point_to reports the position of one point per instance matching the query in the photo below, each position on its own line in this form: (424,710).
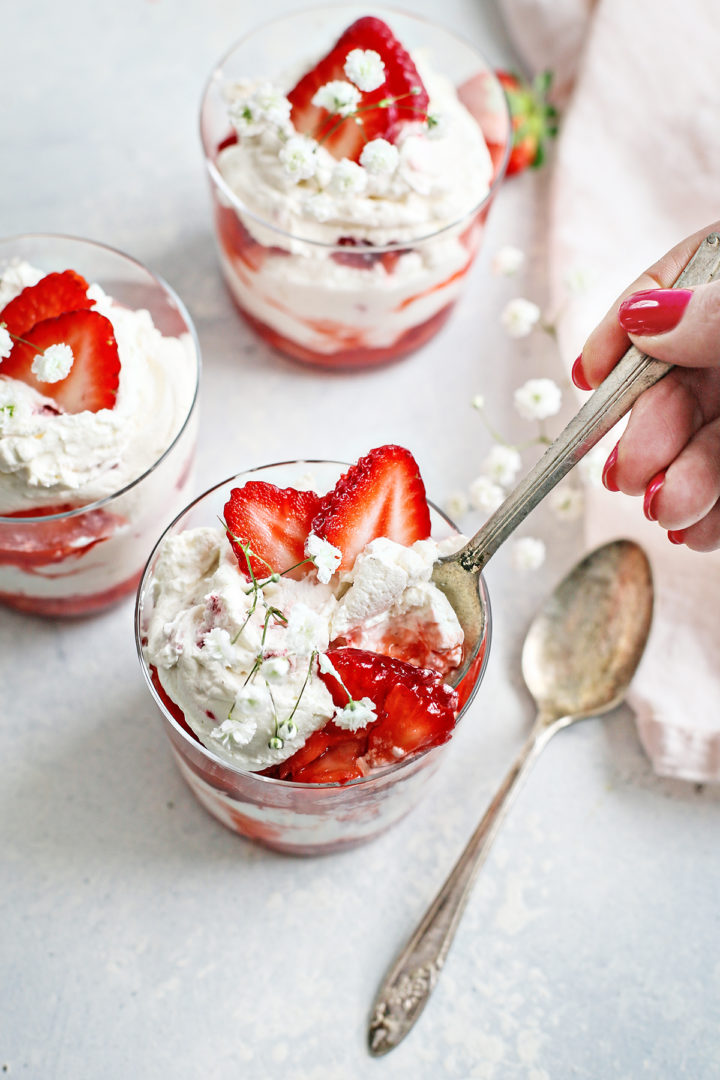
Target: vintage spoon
(580,654)
(457,575)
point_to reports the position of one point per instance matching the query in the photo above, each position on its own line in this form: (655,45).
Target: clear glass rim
(367,249)
(98,504)
(198,746)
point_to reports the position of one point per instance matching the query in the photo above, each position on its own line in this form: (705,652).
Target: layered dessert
(303,641)
(95,443)
(350,191)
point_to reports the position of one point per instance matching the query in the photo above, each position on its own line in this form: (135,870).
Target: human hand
(670,449)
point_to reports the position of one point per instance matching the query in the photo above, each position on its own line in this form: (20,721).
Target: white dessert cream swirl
(246,682)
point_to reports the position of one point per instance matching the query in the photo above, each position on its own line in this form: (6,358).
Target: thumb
(680,326)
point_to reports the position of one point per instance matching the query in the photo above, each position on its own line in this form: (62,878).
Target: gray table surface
(141,939)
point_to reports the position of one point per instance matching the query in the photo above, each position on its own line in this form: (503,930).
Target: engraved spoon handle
(633,374)
(409,983)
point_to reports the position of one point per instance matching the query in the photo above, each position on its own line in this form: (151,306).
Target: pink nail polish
(608,476)
(676,536)
(654,311)
(578,375)
(650,492)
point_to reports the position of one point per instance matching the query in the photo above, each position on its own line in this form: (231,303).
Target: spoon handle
(409,983)
(633,374)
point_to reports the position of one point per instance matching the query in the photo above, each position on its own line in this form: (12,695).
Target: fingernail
(676,536)
(608,476)
(578,375)
(650,492)
(654,311)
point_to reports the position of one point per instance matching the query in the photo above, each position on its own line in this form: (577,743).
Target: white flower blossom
(567,502)
(234,732)
(337,97)
(365,68)
(537,399)
(438,125)
(485,495)
(507,261)
(356,714)
(287,729)
(298,157)
(306,631)
(6,343)
(219,646)
(527,553)
(319,206)
(54,364)
(379,157)
(252,699)
(478,402)
(519,316)
(326,557)
(456,504)
(243,118)
(502,464)
(275,669)
(271,105)
(348,178)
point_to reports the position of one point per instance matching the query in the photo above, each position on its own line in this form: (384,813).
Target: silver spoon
(457,575)
(579,657)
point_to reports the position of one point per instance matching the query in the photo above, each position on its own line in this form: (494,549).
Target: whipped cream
(246,680)
(437,181)
(49,458)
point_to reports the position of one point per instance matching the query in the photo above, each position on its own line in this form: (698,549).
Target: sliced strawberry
(329,756)
(534,120)
(415,708)
(53,295)
(382,495)
(42,543)
(346,138)
(274,521)
(93,378)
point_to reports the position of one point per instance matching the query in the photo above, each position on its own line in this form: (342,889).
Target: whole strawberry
(534,120)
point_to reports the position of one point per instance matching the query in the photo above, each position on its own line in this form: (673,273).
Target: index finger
(608,341)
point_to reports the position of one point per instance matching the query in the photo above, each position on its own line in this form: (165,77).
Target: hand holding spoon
(457,574)
(578,659)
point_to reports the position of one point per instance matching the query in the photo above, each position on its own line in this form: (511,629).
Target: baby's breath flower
(579,279)
(507,261)
(365,68)
(6,343)
(537,399)
(271,105)
(275,743)
(356,714)
(325,556)
(243,118)
(567,502)
(348,178)
(502,464)
(219,646)
(337,97)
(306,630)
(319,206)
(234,732)
(527,553)
(379,157)
(252,699)
(298,157)
(54,364)
(478,402)
(456,504)
(438,125)
(519,316)
(274,669)
(287,729)
(485,495)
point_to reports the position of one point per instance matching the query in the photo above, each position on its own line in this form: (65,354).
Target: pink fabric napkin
(636,169)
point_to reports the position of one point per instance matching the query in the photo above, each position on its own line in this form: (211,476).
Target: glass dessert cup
(297,818)
(347,304)
(71,559)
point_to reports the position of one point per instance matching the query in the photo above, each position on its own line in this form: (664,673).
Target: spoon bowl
(579,656)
